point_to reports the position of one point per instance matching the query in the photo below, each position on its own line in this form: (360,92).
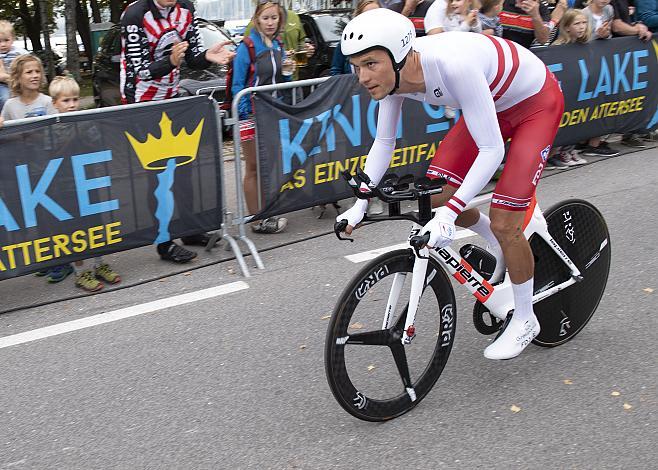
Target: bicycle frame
(498,299)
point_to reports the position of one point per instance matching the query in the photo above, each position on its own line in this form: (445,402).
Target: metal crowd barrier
(241,218)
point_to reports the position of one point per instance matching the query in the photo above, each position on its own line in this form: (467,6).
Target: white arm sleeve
(479,112)
(382,148)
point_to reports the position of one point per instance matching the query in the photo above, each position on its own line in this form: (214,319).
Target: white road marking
(122,313)
(372,254)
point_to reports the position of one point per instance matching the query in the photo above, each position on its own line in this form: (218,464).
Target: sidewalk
(142,265)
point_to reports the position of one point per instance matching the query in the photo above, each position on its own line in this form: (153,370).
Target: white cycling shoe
(513,339)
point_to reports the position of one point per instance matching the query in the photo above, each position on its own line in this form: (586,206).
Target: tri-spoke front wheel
(372,374)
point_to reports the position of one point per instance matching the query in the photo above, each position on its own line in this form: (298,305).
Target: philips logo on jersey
(544,153)
(437,92)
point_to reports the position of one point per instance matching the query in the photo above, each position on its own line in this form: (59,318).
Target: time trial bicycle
(417,320)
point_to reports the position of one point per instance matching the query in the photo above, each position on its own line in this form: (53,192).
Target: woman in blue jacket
(260,60)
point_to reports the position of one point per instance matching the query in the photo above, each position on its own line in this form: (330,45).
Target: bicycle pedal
(480,259)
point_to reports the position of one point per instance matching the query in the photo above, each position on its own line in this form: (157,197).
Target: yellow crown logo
(154,152)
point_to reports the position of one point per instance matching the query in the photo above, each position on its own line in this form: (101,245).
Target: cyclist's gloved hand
(354,215)
(441,228)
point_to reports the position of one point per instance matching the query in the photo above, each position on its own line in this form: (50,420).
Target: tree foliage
(26,17)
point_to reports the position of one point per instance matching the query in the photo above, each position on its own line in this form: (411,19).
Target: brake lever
(339,227)
(418,242)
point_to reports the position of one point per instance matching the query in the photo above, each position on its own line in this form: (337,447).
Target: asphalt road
(237,380)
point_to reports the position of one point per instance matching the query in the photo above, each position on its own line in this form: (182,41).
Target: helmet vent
(360,37)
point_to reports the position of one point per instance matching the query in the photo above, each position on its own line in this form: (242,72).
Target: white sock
(523,300)
(483,228)
(78,269)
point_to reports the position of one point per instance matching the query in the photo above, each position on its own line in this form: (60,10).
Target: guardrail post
(223,232)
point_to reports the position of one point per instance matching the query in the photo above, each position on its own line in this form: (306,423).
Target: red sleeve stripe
(450,206)
(458,201)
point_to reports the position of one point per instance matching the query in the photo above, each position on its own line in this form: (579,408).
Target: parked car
(105,70)
(323,28)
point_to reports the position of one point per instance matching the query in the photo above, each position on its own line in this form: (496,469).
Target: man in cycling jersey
(504,91)
(156,37)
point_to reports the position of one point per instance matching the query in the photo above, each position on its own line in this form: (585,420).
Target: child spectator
(488,16)
(8,52)
(574,29)
(26,78)
(270,66)
(461,16)
(600,15)
(65,94)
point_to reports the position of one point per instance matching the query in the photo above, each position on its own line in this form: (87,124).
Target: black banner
(303,149)
(609,86)
(78,186)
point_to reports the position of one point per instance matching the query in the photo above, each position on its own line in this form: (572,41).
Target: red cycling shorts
(531,125)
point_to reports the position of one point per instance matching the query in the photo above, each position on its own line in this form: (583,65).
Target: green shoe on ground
(105,273)
(86,280)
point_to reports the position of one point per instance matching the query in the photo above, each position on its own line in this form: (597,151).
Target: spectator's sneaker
(600,151)
(270,225)
(577,159)
(633,140)
(42,272)
(375,207)
(513,338)
(86,280)
(555,163)
(177,254)
(59,273)
(200,239)
(650,136)
(105,272)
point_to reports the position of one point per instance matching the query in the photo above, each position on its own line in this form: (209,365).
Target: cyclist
(504,91)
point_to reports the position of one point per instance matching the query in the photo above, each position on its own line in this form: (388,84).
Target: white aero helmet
(380,28)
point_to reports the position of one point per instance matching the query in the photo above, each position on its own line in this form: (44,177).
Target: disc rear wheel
(580,230)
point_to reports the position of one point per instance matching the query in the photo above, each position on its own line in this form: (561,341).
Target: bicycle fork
(417,285)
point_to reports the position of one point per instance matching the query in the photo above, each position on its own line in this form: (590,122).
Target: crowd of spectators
(150,70)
